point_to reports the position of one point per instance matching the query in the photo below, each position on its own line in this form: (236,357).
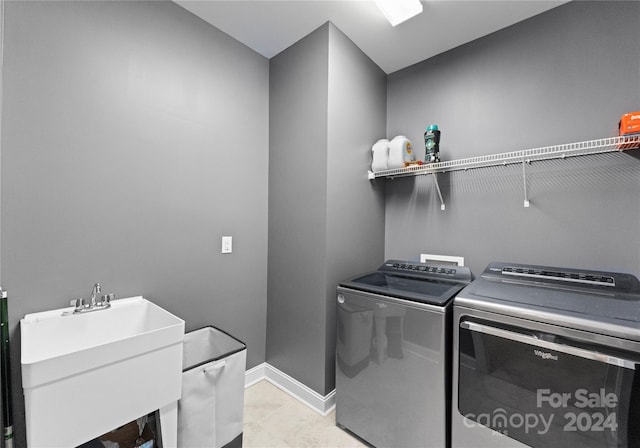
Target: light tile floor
(274,419)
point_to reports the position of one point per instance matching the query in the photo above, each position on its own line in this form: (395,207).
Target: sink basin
(56,344)
(86,374)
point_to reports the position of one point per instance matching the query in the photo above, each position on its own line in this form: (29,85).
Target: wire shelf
(589,147)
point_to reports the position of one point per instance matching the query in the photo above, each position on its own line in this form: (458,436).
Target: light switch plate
(227,244)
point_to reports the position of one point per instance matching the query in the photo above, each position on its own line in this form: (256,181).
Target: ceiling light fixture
(397,11)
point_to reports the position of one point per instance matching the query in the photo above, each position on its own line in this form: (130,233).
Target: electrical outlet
(227,244)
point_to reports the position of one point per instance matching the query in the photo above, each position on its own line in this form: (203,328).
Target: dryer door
(545,390)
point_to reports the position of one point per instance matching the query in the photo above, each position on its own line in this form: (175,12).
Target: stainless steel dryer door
(392,370)
(544,389)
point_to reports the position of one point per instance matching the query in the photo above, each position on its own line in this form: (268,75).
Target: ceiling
(269,26)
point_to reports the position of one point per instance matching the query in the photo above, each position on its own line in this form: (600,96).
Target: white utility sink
(88,373)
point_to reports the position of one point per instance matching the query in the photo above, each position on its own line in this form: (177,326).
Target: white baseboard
(323,405)
(254,375)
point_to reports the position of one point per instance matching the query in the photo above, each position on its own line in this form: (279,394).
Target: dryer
(546,357)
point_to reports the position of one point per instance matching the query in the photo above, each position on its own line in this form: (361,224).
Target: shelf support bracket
(524,182)
(435,181)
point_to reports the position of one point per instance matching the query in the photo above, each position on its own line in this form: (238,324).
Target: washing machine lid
(435,284)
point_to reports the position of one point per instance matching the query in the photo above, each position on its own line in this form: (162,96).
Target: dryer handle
(568,349)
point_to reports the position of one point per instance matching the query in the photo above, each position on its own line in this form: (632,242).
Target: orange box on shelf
(629,127)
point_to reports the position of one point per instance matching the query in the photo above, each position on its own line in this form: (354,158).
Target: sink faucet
(94,292)
(103,303)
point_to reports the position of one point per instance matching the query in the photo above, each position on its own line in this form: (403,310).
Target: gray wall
(297,209)
(327,106)
(564,76)
(134,136)
(355,206)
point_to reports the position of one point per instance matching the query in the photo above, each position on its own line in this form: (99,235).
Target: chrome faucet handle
(78,304)
(106,299)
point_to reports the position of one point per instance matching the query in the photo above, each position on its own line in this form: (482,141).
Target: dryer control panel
(553,276)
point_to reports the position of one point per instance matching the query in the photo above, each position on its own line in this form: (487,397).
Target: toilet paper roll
(380,155)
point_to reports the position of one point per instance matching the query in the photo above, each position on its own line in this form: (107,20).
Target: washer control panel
(426,269)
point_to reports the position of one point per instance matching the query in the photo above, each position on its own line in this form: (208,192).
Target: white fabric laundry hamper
(210,411)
